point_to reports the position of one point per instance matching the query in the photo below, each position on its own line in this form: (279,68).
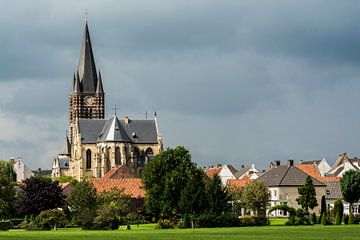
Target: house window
(274,193)
(88,159)
(149,151)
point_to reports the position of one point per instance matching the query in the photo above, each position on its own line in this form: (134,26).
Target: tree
(217,196)
(235,195)
(193,199)
(38,194)
(307,195)
(164,179)
(256,197)
(350,187)
(83,203)
(7,190)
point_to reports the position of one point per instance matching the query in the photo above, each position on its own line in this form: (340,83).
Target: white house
(21,170)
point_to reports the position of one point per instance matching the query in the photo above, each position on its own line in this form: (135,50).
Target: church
(97,145)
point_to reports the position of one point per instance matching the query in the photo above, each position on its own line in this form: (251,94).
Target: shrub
(301,217)
(133,218)
(164,224)
(225,220)
(338,211)
(356,219)
(50,218)
(313,218)
(324,219)
(5,225)
(105,220)
(351,218)
(261,221)
(346,219)
(248,220)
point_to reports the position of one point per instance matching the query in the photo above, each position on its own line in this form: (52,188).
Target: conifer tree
(307,198)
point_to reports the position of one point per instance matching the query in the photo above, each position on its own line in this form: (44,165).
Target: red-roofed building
(239,183)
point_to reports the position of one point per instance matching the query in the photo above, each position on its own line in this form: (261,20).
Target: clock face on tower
(88,100)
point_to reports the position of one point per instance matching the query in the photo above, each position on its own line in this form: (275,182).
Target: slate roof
(87,69)
(145,130)
(63,162)
(66,148)
(131,186)
(241,172)
(286,176)
(333,190)
(113,131)
(232,168)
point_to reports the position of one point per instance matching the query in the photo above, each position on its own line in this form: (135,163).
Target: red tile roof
(313,171)
(131,186)
(120,172)
(210,172)
(240,183)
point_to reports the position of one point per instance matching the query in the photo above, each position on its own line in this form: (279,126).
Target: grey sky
(234,81)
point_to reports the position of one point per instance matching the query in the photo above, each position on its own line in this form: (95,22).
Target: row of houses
(283,180)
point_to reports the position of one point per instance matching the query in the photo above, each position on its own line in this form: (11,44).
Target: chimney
(277,163)
(219,165)
(290,162)
(242,166)
(126,120)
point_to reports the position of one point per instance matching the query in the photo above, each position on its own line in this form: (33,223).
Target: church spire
(99,87)
(76,87)
(86,69)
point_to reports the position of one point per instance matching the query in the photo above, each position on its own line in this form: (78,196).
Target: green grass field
(149,232)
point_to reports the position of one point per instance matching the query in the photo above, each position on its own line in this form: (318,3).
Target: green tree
(83,204)
(38,194)
(193,199)
(350,187)
(307,195)
(164,179)
(217,196)
(6,169)
(7,190)
(256,197)
(338,211)
(235,195)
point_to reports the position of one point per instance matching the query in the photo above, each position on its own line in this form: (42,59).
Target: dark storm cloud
(235,81)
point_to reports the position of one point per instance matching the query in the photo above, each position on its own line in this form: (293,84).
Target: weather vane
(86,15)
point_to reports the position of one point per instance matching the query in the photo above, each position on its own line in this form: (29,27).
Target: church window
(149,151)
(117,156)
(88,159)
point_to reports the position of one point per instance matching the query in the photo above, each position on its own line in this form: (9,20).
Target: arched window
(88,159)
(117,156)
(149,151)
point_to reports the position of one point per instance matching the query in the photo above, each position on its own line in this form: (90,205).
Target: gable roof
(313,171)
(131,186)
(241,172)
(113,131)
(286,176)
(231,168)
(333,190)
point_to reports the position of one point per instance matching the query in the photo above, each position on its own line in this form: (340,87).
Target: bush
(356,219)
(48,219)
(225,220)
(248,220)
(5,225)
(337,219)
(301,217)
(324,219)
(346,219)
(133,218)
(338,211)
(165,224)
(261,221)
(313,218)
(351,218)
(105,220)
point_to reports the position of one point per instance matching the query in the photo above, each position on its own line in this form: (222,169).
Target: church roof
(99,87)
(113,131)
(66,148)
(137,131)
(86,69)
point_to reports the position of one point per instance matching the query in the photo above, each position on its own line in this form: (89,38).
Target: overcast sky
(235,82)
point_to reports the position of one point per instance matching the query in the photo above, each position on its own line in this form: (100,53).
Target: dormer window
(133,135)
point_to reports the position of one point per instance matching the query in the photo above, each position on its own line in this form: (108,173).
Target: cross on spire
(115,108)
(86,15)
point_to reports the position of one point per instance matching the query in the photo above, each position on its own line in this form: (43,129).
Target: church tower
(87,98)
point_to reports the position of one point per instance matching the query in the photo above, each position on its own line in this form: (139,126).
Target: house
(239,183)
(322,165)
(250,172)
(21,170)
(343,164)
(283,182)
(225,172)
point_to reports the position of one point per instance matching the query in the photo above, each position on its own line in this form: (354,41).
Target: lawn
(148,232)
